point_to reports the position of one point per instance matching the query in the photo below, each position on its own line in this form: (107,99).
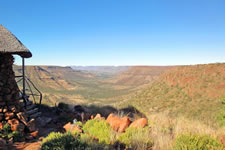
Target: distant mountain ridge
(105,70)
(139,75)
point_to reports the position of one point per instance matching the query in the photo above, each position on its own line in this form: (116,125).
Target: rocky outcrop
(142,122)
(72,128)
(118,124)
(99,117)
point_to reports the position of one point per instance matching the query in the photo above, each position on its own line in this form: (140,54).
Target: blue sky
(118,32)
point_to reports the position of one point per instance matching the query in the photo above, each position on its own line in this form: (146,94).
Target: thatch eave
(9,44)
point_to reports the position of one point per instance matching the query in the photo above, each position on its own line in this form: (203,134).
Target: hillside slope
(139,75)
(192,91)
(53,77)
(71,86)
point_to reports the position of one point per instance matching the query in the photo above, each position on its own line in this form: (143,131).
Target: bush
(136,138)
(17,136)
(100,129)
(6,129)
(196,142)
(94,144)
(7,133)
(60,141)
(63,106)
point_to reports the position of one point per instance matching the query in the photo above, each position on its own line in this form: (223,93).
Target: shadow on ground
(64,113)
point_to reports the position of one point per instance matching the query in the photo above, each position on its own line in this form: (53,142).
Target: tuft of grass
(136,138)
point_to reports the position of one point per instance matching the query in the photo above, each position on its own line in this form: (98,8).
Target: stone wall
(10,110)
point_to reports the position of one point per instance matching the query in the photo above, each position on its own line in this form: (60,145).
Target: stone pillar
(10,110)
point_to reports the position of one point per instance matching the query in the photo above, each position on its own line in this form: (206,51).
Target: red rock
(9,115)
(72,128)
(118,124)
(98,116)
(222,140)
(34,134)
(1,125)
(142,122)
(124,123)
(16,125)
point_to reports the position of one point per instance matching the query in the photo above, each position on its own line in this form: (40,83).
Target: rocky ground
(55,119)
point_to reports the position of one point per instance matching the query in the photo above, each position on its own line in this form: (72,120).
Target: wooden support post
(24,83)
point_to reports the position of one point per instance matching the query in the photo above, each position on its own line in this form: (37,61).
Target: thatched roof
(9,44)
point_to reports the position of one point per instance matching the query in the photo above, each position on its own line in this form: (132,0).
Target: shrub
(136,138)
(196,142)
(60,141)
(93,143)
(7,133)
(63,106)
(17,136)
(6,129)
(100,129)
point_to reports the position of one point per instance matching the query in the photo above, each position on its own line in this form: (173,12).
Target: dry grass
(164,129)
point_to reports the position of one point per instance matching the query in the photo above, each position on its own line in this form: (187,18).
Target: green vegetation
(196,142)
(60,141)
(136,138)
(185,99)
(190,91)
(7,133)
(221,113)
(99,129)
(63,84)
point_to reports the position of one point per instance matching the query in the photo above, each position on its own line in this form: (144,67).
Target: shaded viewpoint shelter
(10,45)
(13,111)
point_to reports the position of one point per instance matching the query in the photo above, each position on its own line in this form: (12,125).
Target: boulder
(72,128)
(1,125)
(124,123)
(222,140)
(99,117)
(34,134)
(16,125)
(9,115)
(118,124)
(142,122)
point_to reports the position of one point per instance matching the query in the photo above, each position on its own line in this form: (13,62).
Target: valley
(191,91)
(90,86)
(176,100)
